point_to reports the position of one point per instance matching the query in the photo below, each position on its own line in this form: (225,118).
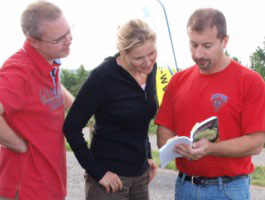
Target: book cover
(206,129)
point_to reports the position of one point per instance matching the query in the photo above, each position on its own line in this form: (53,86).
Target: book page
(207,129)
(193,130)
(167,152)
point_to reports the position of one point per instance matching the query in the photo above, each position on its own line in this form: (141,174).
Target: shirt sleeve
(149,150)
(91,95)
(165,115)
(253,115)
(13,80)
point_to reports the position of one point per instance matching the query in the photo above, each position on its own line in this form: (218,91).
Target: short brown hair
(208,17)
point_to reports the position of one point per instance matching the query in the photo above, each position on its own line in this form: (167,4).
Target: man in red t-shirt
(215,86)
(32,103)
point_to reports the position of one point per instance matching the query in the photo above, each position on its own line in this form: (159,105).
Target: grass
(152,127)
(258,177)
(67,147)
(171,165)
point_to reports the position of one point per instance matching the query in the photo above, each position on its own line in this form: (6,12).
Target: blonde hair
(134,33)
(34,15)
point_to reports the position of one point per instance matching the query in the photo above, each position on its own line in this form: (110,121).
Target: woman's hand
(153,169)
(111,182)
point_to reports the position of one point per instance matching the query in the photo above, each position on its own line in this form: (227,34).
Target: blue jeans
(237,189)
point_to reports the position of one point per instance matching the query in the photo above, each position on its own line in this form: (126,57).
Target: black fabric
(198,180)
(122,111)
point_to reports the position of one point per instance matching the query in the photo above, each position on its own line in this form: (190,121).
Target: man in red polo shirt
(32,103)
(216,86)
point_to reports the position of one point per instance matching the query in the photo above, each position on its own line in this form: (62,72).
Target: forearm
(68,98)
(83,154)
(163,134)
(246,145)
(10,139)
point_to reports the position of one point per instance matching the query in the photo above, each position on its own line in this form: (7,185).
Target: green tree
(234,57)
(257,60)
(74,79)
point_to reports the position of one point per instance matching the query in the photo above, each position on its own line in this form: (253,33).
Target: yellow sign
(163,76)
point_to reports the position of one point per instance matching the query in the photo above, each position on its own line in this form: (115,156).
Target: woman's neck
(138,76)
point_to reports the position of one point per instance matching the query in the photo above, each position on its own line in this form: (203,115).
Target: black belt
(199,180)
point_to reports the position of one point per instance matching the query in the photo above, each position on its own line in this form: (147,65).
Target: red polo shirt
(34,109)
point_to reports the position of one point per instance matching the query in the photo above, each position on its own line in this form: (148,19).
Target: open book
(206,129)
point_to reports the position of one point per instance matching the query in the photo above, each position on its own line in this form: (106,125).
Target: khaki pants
(134,188)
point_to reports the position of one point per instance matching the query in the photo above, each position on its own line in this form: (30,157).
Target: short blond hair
(134,33)
(34,15)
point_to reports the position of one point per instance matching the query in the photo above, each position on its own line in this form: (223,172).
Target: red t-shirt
(235,95)
(34,109)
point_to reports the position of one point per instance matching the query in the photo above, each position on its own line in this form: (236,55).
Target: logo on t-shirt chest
(50,98)
(218,101)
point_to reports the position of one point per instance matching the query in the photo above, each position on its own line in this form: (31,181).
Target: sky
(95,24)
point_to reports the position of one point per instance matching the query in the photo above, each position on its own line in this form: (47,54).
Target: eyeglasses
(57,41)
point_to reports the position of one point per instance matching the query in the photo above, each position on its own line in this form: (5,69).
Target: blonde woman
(120,93)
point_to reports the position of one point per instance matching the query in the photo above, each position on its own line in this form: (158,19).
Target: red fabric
(35,112)
(236,95)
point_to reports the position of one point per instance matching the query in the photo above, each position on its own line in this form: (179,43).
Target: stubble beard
(205,66)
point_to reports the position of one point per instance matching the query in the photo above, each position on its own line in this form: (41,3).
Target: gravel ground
(161,188)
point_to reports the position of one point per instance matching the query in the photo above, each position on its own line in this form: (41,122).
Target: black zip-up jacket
(122,111)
